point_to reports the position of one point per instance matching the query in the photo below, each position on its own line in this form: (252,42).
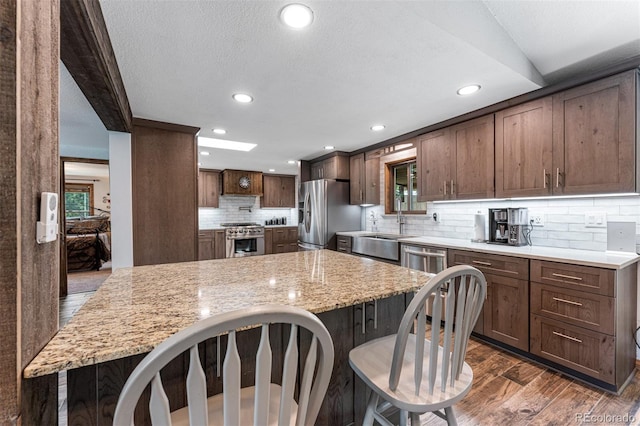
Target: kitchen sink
(378,245)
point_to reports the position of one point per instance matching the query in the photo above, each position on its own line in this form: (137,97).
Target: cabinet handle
(375,314)
(570,277)
(544,178)
(558,177)
(453,191)
(361,195)
(557,299)
(364,319)
(478,262)
(444,185)
(573,339)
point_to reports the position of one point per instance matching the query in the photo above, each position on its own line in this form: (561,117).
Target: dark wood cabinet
(457,162)
(279,191)
(282,239)
(343,243)
(584,317)
(211,244)
(241,182)
(523,150)
(268,240)
(336,167)
(364,179)
(594,137)
(505,314)
(208,188)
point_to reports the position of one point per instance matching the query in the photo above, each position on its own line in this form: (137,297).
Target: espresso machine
(509,226)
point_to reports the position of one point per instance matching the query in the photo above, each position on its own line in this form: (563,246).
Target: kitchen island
(137,308)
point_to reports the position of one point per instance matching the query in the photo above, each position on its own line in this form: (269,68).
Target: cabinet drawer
(344,244)
(506,266)
(583,350)
(205,233)
(574,277)
(587,310)
(282,235)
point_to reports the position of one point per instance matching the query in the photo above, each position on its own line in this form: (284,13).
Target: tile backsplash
(564,219)
(229,211)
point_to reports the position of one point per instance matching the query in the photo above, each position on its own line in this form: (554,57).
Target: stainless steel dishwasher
(421,258)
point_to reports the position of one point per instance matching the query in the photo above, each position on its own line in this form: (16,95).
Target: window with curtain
(78,199)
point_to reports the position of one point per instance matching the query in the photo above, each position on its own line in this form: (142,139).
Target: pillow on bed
(87,226)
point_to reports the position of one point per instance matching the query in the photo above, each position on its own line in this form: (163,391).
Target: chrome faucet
(400,218)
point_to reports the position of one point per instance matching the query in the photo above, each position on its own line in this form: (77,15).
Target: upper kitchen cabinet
(524,147)
(364,178)
(208,188)
(241,182)
(336,167)
(594,137)
(279,191)
(457,162)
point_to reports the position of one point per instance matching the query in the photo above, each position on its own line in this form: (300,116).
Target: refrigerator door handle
(307,212)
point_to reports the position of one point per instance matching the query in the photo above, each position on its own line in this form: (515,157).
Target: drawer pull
(478,262)
(557,299)
(570,277)
(573,339)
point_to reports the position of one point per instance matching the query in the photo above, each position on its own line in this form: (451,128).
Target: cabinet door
(381,318)
(524,150)
(357,179)
(372,180)
(288,191)
(506,311)
(316,170)
(268,241)
(594,137)
(271,187)
(220,244)
(473,172)
(205,248)
(433,161)
(208,188)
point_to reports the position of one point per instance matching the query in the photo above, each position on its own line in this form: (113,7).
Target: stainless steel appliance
(244,239)
(324,209)
(427,259)
(509,226)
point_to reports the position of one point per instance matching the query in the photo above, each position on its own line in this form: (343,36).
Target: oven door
(240,247)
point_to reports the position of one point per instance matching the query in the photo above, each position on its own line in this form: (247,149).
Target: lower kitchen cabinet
(583,318)
(505,314)
(343,244)
(211,244)
(284,239)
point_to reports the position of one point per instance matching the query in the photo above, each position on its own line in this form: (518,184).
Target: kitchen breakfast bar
(137,308)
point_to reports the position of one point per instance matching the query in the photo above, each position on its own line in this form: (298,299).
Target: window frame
(83,188)
(389,182)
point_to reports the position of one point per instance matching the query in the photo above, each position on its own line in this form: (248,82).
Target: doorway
(85,212)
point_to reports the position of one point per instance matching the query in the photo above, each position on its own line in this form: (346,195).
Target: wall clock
(244,182)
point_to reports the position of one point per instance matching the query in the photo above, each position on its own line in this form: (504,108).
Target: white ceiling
(360,63)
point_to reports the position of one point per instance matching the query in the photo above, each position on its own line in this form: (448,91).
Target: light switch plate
(621,236)
(595,220)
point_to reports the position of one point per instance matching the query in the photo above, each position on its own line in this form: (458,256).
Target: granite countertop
(137,308)
(609,260)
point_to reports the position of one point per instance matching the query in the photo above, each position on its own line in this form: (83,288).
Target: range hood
(241,182)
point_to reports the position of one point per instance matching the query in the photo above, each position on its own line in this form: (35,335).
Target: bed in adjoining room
(88,242)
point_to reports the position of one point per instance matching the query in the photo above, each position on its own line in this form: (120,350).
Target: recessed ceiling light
(219,131)
(467,90)
(329,147)
(204,152)
(272,170)
(378,127)
(291,162)
(242,98)
(296,16)
(223,144)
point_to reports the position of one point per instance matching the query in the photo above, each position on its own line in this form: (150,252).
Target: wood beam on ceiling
(86,51)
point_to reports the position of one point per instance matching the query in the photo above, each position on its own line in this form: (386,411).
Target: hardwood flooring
(507,390)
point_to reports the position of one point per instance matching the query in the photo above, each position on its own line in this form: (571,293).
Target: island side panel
(82,402)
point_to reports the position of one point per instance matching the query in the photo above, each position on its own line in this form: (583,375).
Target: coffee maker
(509,226)
(518,224)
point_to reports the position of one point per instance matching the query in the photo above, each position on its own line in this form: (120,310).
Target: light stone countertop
(137,308)
(609,260)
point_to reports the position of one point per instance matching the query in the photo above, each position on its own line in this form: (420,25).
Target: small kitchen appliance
(509,226)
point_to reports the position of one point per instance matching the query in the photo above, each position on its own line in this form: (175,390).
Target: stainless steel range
(244,239)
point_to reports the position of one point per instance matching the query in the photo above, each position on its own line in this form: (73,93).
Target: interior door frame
(63,219)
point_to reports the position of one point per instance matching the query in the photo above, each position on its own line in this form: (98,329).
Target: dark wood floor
(507,390)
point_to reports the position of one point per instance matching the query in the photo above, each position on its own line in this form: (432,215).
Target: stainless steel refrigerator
(323,210)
